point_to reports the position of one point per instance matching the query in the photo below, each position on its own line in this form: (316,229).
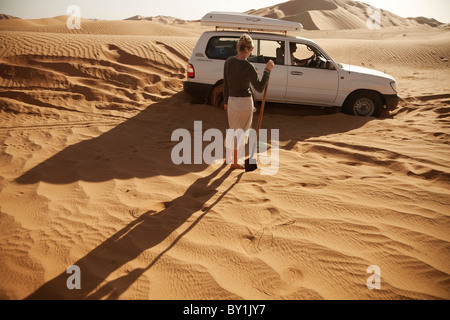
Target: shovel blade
(250,166)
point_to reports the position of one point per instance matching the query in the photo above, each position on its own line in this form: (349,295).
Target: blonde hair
(245,43)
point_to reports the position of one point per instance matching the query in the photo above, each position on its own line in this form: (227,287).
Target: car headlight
(394,86)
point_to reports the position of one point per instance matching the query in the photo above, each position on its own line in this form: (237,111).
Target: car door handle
(296,73)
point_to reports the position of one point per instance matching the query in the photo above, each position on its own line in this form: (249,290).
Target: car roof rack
(251,23)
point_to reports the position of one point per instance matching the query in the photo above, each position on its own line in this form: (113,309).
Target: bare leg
(229,156)
(235,164)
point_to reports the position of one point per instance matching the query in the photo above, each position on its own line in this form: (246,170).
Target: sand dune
(90,73)
(160,19)
(336,15)
(86,176)
(104,27)
(7,16)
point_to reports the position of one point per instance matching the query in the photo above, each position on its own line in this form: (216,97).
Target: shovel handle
(261,111)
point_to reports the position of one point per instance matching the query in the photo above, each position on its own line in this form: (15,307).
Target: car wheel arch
(215,92)
(379,102)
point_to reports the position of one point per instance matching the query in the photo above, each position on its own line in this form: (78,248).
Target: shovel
(250,163)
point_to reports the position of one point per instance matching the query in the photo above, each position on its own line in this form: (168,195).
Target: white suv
(304,73)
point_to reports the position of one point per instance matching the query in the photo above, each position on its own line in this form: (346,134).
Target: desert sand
(86,176)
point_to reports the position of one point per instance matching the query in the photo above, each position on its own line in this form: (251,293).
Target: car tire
(364,104)
(216,96)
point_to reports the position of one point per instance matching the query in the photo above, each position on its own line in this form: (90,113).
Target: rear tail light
(190,71)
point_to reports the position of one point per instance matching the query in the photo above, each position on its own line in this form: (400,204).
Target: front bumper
(391,100)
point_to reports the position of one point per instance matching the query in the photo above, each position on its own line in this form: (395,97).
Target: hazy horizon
(195,9)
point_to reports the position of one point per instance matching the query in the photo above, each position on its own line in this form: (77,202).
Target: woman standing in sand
(238,74)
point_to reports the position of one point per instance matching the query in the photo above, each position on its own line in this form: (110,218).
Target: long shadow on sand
(139,148)
(149,230)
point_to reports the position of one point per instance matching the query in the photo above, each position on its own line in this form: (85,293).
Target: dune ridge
(336,15)
(82,71)
(134,27)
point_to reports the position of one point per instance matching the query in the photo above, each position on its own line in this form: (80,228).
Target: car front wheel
(364,104)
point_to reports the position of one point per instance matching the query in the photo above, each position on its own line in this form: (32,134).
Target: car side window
(266,50)
(304,55)
(221,47)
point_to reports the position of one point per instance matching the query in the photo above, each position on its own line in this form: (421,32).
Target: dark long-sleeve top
(237,76)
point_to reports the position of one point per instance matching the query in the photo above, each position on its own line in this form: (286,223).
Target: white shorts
(240,118)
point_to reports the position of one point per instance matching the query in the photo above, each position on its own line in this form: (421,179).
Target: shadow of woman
(139,147)
(142,234)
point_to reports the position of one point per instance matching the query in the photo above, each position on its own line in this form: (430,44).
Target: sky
(194,9)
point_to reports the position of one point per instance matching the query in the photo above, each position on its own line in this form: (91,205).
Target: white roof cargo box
(248,22)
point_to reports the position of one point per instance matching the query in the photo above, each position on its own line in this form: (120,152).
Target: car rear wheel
(216,97)
(364,104)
